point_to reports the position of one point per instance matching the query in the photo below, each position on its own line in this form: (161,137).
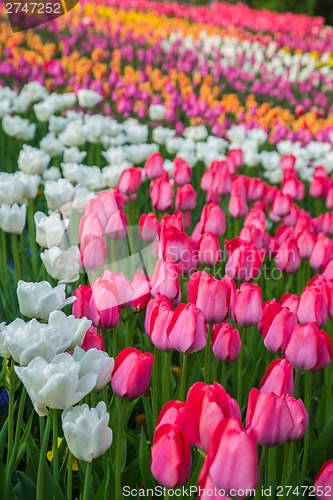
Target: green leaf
(25,489)
(149,418)
(3,437)
(102,492)
(319,449)
(144,461)
(51,489)
(23,440)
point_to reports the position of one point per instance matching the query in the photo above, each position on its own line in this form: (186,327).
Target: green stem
(87,481)
(224,375)
(207,354)
(11,401)
(16,257)
(240,368)
(307,403)
(11,465)
(183,377)
(69,476)
(114,343)
(118,490)
(55,446)
(285,469)
(32,239)
(272,470)
(155,384)
(42,457)
(166,377)
(296,385)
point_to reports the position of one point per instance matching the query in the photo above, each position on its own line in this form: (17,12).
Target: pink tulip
(186,198)
(116,227)
(209,251)
(182,172)
(187,329)
(276,326)
(171,461)
(247,308)
(129,181)
(226,343)
(141,295)
(93,252)
(148,227)
(165,280)
(210,295)
(309,348)
(159,313)
(161,194)
(154,165)
(323,481)
(244,260)
(173,412)
(288,258)
(278,378)
(92,340)
(131,373)
(312,306)
(206,406)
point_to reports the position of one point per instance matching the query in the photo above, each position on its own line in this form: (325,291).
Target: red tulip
(226,343)
(210,295)
(247,308)
(206,406)
(92,340)
(309,348)
(278,378)
(131,373)
(187,329)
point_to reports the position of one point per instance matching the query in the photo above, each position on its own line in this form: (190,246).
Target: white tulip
(74,329)
(161,134)
(58,193)
(33,160)
(95,361)
(88,98)
(43,111)
(51,145)
(50,229)
(74,155)
(38,300)
(12,219)
(62,266)
(75,134)
(34,91)
(86,431)
(157,112)
(15,126)
(57,384)
(52,174)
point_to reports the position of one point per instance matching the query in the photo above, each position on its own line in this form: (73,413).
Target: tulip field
(166,254)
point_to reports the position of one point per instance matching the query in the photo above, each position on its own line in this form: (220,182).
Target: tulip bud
(247,308)
(148,227)
(309,348)
(171,461)
(173,412)
(206,406)
(93,340)
(226,343)
(159,313)
(131,374)
(210,295)
(141,295)
(288,258)
(278,378)
(116,228)
(299,415)
(154,165)
(187,318)
(209,251)
(186,198)
(323,482)
(165,280)
(161,194)
(182,172)
(276,326)
(129,181)
(312,306)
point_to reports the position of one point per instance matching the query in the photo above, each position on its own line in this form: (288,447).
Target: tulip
(213,219)
(173,412)
(165,280)
(159,313)
(129,181)
(154,165)
(244,261)
(175,244)
(90,226)
(323,482)
(131,374)
(278,378)
(209,251)
(270,417)
(62,266)
(171,456)
(93,252)
(306,242)
(186,198)
(86,431)
(322,252)
(299,415)
(50,230)
(207,488)
(182,172)
(288,258)
(312,306)
(309,348)
(247,308)
(238,206)
(148,227)
(38,300)
(95,361)
(276,326)
(226,343)
(291,301)
(92,339)
(206,406)
(210,295)
(232,449)
(104,304)
(161,194)
(124,287)
(12,219)
(281,206)
(55,385)
(116,227)
(187,329)
(141,295)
